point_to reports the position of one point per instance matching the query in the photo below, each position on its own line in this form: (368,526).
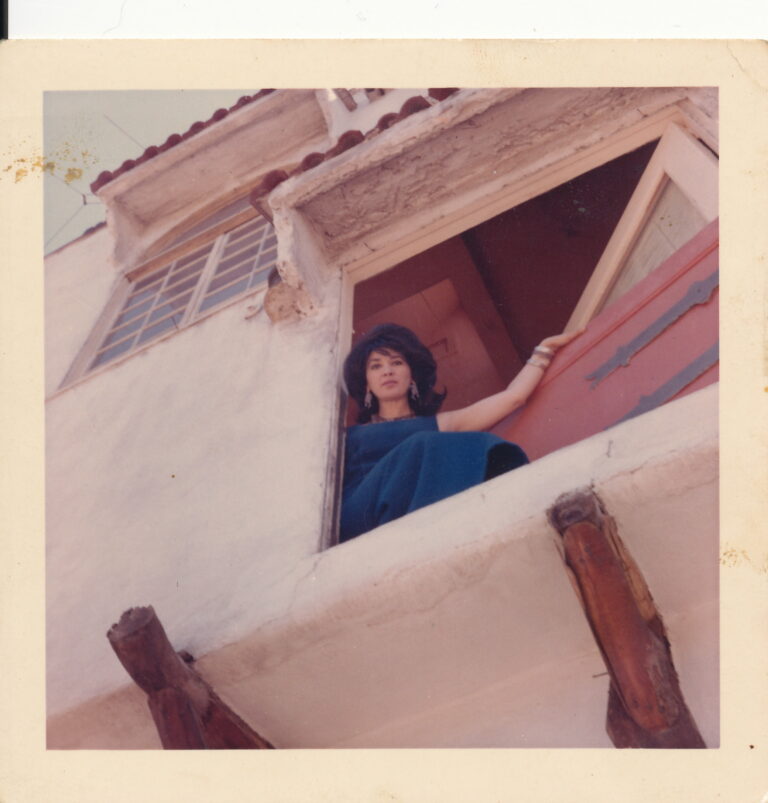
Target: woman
(403,454)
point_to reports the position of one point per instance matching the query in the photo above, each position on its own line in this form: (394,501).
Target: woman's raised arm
(489,411)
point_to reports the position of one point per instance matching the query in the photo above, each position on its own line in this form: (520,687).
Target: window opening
(494,291)
(675,197)
(210,222)
(248,255)
(483,299)
(672,221)
(486,297)
(178,293)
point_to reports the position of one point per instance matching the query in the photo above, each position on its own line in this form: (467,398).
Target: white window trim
(192,313)
(206,275)
(678,158)
(385,248)
(387,251)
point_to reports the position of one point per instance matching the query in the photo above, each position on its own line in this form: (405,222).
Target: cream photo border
(734,772)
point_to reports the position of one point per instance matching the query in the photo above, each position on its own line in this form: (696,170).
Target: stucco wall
(456,625)
(190,477)
(79,279)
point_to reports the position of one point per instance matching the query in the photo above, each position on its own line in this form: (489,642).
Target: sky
(88,132)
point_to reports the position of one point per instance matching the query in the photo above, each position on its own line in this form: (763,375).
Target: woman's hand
(558,341)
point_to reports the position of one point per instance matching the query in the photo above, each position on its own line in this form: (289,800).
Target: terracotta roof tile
(95,227)
(387,120)
(311,160)
(273,178)
(442,94)
(348,140)
(108,175)
(415,104)
(174,139)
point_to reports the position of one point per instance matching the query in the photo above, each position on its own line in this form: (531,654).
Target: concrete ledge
(467,602)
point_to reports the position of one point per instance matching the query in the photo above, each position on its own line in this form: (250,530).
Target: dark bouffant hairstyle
(391,337)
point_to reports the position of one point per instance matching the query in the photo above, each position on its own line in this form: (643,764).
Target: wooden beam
(646,707)
(187,713)
(176,720)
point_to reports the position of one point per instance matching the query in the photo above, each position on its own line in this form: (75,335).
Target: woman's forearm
(522,386)
(489,411)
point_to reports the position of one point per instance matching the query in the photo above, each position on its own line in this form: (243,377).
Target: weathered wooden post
(645,704)
(187,712)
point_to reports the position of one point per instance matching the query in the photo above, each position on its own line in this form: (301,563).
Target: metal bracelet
(538,361)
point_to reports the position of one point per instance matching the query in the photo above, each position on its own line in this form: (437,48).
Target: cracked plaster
(513,137)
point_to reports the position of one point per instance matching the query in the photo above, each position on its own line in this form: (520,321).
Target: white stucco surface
(190,476)
(79,280)
(453,626)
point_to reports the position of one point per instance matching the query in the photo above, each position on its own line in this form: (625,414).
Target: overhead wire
(63,225)
(83,195)
(119,128)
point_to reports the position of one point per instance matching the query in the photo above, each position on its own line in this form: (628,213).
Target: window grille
(210,222)
(248,254)
(179,293)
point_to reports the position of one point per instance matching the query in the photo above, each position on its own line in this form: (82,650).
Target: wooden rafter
(187,713)
(645,703)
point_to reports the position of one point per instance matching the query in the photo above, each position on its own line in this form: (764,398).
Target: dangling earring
(368,401)
(414,390)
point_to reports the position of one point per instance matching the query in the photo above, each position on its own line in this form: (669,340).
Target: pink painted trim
(641,295)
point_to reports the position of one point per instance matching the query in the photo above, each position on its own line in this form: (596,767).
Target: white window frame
(678,158)
(81,367)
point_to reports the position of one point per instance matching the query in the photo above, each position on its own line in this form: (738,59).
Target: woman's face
(388,375)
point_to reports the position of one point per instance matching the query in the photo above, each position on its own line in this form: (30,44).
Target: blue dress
(395,467)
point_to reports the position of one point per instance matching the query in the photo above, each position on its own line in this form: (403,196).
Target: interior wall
(537,257)
(440,320)
(440,296)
